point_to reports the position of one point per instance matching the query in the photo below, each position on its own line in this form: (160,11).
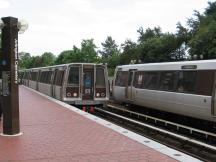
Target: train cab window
(100,77)
(121,78)
(167,81)
(151,80)
(186,81)
(73,77)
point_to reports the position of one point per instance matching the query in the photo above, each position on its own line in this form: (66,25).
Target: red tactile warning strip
(52,133)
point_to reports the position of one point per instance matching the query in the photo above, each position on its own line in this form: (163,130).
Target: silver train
(187,88)
(82,84)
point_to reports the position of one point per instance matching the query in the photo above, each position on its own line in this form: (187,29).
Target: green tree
(47,59)
(61,58)
(70,56)
(155,46)
(88,51)
(110,54)
(148,33)
(109,48)
(74,55)
(203,32)
(130,53)
(36,61)
(24,60)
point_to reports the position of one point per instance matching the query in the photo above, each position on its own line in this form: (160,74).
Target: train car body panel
(33,84)
(33,77)
(175,103)
(57,83)
(25,78)
(44,88)
(119,93)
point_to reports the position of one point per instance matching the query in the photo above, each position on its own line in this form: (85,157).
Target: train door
(129,88)
(54,83)
(214,97)
(28,78)
(38,77)
(88,83)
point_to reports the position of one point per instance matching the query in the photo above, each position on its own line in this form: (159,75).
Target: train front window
(73,78)
(100,78)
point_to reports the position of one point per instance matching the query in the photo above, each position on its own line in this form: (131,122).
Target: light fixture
(1,24)
(22,25)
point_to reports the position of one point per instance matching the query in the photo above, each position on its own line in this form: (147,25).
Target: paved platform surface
(52,133)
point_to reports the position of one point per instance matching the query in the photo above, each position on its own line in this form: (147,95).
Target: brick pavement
(52,133)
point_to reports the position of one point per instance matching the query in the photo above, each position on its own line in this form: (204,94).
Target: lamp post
(9,68)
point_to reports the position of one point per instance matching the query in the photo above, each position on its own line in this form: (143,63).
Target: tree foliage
(88,51)
(28,61)
(110,54)
(203,30)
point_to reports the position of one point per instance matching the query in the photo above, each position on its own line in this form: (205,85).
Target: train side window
(45,77)
(40,74)
(138,79)
(60,77)
(187,81)
(205,80)
(151,80)
(121,78)
(100,78)
(73,77)
(48,77)
(167,81)
(55,77)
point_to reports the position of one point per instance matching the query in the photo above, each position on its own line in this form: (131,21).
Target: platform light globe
(22,25)
(1,24)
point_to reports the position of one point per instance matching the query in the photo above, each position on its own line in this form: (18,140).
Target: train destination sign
(189,67)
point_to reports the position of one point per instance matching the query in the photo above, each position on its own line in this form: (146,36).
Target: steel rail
(166,122)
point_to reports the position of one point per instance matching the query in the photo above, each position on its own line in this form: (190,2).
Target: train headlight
(68,94)
(75,94)
(97,94)
(102,94)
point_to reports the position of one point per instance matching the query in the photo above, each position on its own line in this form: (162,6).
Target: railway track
(165,132)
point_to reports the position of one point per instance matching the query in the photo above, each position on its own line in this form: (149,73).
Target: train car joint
(91,109)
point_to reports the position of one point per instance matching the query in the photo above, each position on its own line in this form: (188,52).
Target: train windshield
(73,78)
(100,77)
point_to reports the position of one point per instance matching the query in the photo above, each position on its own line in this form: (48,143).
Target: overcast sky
(57,25)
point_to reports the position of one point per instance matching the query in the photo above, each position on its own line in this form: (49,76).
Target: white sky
(57,25)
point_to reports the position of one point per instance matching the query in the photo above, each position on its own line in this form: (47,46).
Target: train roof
(181,65)
(61,65)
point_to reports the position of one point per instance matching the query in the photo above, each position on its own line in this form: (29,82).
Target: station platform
(56,132)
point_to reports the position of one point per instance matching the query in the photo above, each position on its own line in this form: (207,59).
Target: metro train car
(185,88)
(80,84)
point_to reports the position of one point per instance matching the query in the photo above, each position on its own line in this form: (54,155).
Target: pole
(9,66)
